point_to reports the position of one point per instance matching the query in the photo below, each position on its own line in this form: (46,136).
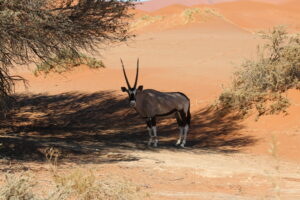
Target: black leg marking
(183,117)
(179,119)
(151,124)
(151,121)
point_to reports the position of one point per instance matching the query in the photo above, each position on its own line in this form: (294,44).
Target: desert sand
(85,114)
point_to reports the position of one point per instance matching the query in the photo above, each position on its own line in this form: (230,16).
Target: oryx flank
(150,104)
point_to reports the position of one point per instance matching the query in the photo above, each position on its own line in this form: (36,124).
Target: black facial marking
(131,94)
(124,89)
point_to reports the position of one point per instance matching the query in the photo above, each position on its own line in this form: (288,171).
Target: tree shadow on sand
(100,127)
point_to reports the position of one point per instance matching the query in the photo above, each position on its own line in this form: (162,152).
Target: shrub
(17,188)
(262,84)
(84,185)
(191,14)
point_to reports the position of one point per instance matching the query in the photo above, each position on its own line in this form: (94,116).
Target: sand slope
(153,5)
(258,16)
(158,4)
(246,14)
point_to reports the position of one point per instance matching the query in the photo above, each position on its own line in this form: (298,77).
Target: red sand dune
(273,1)
(138,13)
(256,15)
(252,15)
(292,5)
(169,10)
(158,4)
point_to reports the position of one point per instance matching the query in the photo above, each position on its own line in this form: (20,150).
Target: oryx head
(131,91)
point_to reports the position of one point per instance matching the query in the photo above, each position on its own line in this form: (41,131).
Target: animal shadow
(100,127)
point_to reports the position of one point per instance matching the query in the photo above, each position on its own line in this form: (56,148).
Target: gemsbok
(151,104)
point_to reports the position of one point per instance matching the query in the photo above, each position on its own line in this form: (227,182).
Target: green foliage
(65,62)
(262,84)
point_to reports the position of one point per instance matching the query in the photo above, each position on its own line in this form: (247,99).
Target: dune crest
(251,15)
(153,5)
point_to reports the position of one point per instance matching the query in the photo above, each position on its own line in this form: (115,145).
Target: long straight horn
(128,84)
(137,73)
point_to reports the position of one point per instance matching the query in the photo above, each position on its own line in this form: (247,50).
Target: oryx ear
(124,89)
(140,88)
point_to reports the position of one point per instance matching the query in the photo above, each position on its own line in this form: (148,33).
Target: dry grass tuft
(18,188)
(52,155)
(191,15)
(79,184)
(84,185)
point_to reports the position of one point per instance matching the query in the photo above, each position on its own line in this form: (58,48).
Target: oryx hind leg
(186,121)
(181,128)
(183,120)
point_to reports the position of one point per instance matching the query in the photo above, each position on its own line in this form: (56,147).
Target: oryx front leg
(151,123)
(154,130)
(150,136)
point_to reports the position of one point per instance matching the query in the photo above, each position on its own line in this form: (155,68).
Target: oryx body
(150,104)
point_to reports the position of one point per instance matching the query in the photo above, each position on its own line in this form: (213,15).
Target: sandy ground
(84,114)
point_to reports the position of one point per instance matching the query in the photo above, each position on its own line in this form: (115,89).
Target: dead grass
(84,185)
(80,184)
(191,15)
(187,16)
(18,187)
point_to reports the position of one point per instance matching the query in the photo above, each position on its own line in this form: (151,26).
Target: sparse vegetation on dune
(193,14)
(261,84)
(65,62)
(187,16)
(146,20)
